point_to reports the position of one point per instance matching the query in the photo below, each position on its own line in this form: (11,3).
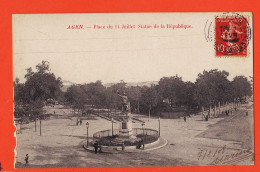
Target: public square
(61,141)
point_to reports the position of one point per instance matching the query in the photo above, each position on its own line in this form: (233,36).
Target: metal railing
(145,131)
(105,133)
(136,131)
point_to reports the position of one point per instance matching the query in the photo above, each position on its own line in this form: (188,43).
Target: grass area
(236,127)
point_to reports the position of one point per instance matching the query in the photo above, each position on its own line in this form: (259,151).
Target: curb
(166,142)
(130,150)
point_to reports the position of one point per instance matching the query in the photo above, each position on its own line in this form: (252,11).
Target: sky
(110,55)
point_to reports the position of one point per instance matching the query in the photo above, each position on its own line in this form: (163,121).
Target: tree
(134,94)
(150,100)
(95,93)
(19,91)
(173,89)
(76,97)
(241,87)
(38,87)
(41,85)
(189,95)
(212,87)
(113,99)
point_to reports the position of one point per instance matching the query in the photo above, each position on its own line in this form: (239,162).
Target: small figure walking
(226,112)
(100,149)
(138,146)
(184,119)
(123,147)
(26,159)
(246,113)
(96,146)
(80,121)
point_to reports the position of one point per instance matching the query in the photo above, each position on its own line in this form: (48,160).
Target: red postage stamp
(231,36)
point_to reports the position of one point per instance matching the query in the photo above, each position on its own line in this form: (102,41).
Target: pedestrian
(184,119)
(123,147)
(80,121)
(143,143)
(138,146)
(100,148)
(96,146)
(226,112)
(246,113)
(207,118)
(54,112)
(26,159)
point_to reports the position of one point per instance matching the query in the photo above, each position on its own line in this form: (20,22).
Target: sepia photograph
(133,89)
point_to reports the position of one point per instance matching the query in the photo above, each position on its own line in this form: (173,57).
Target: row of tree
(211,88)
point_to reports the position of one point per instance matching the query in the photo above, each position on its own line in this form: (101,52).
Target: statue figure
(125,127)
(125,103)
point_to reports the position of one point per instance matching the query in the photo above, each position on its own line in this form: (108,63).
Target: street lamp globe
(87,124)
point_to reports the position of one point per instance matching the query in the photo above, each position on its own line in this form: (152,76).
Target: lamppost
(159,126)
(40,127)
(87,125)
(35,123)
(112,120)
(143,132)
(143,127)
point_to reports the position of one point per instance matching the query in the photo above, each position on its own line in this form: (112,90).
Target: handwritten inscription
(220,156)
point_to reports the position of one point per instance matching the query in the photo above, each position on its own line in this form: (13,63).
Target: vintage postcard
(133,89)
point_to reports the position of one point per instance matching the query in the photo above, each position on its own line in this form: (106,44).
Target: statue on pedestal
(125,103)
(125,128)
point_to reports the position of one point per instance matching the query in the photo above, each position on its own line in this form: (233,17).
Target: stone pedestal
(125,127)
